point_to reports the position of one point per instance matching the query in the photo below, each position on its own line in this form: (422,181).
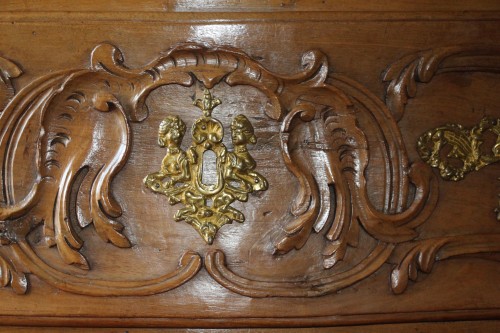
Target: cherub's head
(171,132)
(242,131)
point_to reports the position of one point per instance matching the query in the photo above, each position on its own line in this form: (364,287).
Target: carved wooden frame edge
(183,65)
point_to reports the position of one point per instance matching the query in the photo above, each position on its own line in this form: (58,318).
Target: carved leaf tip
(8,70)
(399,281)
(20,284)
(115,237)
(285,245)
(334,252)
(292,241)
(9,276)
(72,257)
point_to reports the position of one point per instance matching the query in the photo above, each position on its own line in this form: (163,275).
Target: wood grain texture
(248,6)
(451,327)
(353,229)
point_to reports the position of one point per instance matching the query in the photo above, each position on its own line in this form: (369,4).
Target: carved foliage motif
(423,254)
(421,67)
(328,165)
(404,74)
(465,153)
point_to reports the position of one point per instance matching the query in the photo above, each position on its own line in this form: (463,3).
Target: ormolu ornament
(207,207)
(465,148)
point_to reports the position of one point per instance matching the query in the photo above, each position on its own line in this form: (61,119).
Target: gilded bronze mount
(466,152)
(207,206)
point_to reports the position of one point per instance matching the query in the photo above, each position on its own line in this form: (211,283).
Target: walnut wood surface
(448,327)
(353,229)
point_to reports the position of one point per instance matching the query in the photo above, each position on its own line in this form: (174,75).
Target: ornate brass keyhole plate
(466,148)
(207,207)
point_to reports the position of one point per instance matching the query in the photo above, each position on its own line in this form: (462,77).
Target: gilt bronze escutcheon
(207,207)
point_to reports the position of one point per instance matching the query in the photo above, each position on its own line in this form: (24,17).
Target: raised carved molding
(331,164)
(420,67)
(423,254)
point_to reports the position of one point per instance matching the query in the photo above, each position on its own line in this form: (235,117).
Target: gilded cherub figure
(242,163)
(240,179)
(175,164)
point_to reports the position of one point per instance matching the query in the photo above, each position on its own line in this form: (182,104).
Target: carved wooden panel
(353,177)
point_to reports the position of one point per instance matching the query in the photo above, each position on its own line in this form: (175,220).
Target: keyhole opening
(209,168)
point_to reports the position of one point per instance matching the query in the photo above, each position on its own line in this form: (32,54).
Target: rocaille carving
(181,175)
(321,143)
(421,67)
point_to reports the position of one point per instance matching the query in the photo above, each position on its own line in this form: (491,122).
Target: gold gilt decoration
(456,150)
(207,206)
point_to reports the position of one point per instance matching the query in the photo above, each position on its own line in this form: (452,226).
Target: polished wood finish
(353,227)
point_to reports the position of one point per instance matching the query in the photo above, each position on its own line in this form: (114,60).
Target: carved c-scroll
(109,96)
(404,75)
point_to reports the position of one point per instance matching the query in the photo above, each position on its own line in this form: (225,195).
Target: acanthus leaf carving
(345,149)
(422,255)
(9,276)
(109,97)
(404,74)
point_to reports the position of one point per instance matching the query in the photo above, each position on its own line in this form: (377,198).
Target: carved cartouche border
(404,76)
(111,96)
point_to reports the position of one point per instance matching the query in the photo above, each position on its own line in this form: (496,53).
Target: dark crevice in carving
(75,188)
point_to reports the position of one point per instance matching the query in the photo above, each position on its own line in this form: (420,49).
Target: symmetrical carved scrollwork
(322,144)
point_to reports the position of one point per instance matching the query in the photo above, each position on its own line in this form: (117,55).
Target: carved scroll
(423,254)
(465,147)
(404,74)
(322,144)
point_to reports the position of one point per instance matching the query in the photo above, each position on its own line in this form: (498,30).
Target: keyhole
(209,168)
